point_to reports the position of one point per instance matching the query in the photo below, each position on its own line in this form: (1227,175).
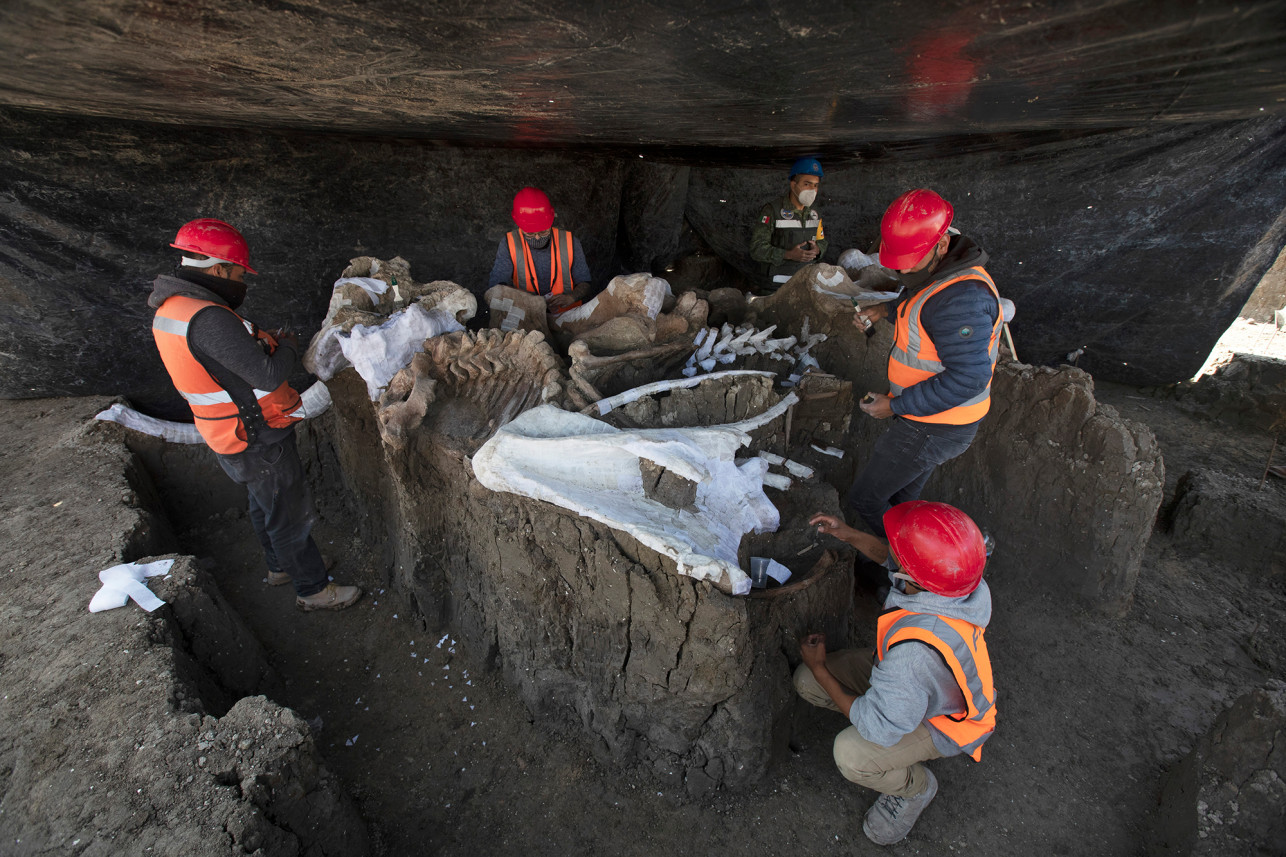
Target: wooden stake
(1269,465)
(1009,340)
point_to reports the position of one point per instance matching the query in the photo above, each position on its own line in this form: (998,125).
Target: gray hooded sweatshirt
(913,683)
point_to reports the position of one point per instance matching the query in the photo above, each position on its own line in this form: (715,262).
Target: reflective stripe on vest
(560,262)
(914,357)
(218,417)
(964,651)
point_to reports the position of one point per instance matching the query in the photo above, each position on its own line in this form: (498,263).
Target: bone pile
(379,316)
(723,346)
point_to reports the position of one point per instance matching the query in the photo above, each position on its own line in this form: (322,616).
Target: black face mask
(921,278)
(232,292)
(537,243)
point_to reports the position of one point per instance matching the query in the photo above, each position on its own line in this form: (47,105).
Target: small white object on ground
(762,568)
(799,471)
(125,581)
(828,450)
(776,480)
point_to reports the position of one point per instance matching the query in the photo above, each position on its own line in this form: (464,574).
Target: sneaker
(333,597)
(891,818)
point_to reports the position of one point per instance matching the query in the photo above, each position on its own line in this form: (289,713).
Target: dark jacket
(966,304)
(225,348)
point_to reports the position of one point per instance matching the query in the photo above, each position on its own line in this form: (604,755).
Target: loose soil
(443,759)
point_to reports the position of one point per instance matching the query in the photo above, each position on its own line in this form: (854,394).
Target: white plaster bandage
(123,582)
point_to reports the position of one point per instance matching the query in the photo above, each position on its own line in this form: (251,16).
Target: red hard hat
(937,545)
(211,237)
(911,226)
(532,210)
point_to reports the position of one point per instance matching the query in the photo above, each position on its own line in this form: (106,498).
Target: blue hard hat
(806,167)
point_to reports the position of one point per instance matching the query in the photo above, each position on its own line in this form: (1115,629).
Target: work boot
(891,818)
(333,597)
(280,578)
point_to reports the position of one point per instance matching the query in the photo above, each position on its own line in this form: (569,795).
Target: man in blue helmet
(788,234)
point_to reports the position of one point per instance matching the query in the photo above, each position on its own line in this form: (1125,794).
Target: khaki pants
(892,770)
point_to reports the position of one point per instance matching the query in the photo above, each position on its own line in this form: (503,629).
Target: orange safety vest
(963,649)
(220,419)
(560,263)
(914,357)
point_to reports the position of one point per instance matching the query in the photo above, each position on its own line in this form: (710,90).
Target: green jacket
(781,226)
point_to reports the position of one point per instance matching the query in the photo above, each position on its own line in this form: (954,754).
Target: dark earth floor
(443,759)
(446,761)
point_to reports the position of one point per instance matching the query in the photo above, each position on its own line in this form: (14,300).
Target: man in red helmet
(946,342)
(539,258)
(234,378)
(926,691)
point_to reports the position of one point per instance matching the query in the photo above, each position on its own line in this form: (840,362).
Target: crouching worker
(233,376)
(926,691)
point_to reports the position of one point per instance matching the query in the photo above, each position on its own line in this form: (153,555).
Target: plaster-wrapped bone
(854,260)
(587,466)
(357,300)
(378,353)
(628,316)
(799,471)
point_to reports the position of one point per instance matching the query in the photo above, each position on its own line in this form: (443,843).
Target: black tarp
(693,73)
(1123,162)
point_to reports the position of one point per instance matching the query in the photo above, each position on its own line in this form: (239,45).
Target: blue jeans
(281,510)
(901,461)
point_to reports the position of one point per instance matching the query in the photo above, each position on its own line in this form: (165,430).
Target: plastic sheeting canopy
(824,75)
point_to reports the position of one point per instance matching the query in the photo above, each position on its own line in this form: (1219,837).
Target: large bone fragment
(599,375)
(629,294)
(470,384)
(592,468)
(368,295)
(514,309)
(607,405)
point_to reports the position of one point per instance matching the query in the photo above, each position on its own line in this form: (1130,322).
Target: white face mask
(806,197)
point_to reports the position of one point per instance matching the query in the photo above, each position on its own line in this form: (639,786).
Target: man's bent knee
(856,758)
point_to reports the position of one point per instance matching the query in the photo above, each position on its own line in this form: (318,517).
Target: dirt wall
(1226,795)
(124,731)
(1069,489)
